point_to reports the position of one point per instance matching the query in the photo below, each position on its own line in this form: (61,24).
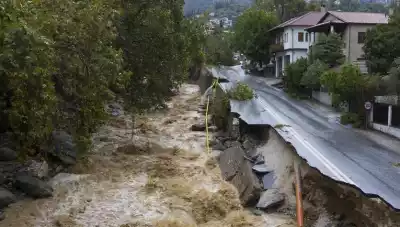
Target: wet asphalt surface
(366,164)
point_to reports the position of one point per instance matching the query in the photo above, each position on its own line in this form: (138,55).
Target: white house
(292,40)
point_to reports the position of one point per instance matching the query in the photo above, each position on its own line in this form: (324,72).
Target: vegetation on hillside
(251,34)
(63,60)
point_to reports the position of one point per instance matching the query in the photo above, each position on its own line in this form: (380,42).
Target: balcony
(277,47)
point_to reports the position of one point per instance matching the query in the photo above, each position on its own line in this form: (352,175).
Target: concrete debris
(217,145)
(268,180)
(247,145)
(238,171)
(261,169)
(230,144)
(270,199)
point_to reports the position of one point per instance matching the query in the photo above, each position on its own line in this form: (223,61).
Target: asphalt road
(338,152)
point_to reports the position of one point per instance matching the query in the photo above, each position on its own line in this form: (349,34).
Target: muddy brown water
(158,177)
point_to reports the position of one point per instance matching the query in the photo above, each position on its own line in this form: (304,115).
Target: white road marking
(329,165)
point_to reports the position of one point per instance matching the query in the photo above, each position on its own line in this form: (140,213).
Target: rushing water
(110,191)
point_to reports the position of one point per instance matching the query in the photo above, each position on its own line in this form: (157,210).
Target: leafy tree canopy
(251,34)
(381,46)
(328,49)
(311,78)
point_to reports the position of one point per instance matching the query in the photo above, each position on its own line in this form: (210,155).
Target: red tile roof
(359,17)
(308,19)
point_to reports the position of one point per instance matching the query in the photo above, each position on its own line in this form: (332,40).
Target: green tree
(328,49)
(393,83)
(285,9)
(251,34)
(155,51)
(27,97)
(311,78)
(351,86)
(381,46)
(293,76)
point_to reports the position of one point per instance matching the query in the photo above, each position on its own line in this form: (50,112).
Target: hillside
(202,5)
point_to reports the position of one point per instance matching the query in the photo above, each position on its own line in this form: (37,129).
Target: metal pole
(299,197)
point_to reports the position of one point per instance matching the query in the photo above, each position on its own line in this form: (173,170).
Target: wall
(356,48)
(322,97)
(292,40)
(386,129)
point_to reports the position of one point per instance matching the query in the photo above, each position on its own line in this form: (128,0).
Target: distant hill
(199,6)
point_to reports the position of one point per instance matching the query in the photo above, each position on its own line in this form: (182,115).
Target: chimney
(323,8)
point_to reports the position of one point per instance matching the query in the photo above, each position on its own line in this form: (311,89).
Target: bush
(241,92)
(311,78)
(293,75)
(351,118)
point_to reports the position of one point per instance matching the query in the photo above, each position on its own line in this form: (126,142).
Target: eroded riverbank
(160,176)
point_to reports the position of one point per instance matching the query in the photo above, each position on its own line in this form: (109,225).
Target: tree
(381,46)
(293,75)
(285,9)
(311,78)
(328,49)
(218,50)
(394,78)
(155,51)
(251,34)
(62,60)
(351,86)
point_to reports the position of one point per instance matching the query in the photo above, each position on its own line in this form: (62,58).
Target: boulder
(33,186)
(198,127)
(248,184)
(237,170)
(63,148)
(270,199)
(38,169)
(230,161)
(6,198)
(7,154)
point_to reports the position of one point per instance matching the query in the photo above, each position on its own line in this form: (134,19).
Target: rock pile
(20,178)
(243,166)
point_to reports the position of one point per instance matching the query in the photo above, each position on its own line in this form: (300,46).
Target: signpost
(368,107)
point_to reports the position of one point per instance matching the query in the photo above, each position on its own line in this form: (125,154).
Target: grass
(396,164)
(241,92)
(280,126)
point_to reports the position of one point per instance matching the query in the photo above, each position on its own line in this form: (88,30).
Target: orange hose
(299,197)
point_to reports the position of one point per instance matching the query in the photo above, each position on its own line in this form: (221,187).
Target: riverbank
(159,176)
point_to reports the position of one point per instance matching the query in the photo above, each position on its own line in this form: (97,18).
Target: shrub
(311,78)
(241,92)
(293,74)
(351,118)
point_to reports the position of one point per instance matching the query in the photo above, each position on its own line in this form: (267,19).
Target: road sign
(368,105)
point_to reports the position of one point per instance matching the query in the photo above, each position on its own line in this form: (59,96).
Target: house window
(286,37)
(361,37)
(307,36)
(301,37)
